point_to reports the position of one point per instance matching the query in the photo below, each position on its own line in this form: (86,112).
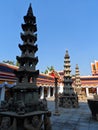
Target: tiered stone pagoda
(77,80)
(77,85)
(24,110)
(68,98)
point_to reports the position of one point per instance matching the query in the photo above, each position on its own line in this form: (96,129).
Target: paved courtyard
(73,118)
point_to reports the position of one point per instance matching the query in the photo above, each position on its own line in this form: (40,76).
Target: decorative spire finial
(30,11)
(66,55)
(77,66)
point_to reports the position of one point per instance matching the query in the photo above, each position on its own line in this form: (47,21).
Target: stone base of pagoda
(68,101)
(37,120)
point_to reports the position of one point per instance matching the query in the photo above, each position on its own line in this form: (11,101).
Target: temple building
(94,68)
(89,84)
(8,79)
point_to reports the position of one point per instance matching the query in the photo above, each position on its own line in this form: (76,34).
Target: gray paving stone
(72,119)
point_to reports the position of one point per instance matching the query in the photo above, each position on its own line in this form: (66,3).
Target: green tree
(49,69)
(17,63)
(9,62)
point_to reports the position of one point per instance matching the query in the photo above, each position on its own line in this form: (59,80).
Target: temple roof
(55,74)
(6,74)
(4,67)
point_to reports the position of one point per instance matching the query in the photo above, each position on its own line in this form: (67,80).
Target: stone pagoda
(77,80)
(68,99)
(77,85)
(24,110)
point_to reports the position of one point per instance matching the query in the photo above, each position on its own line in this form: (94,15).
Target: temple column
(97,90)
(3,93)
(61,88)
(58,90)
(48,92)
(87,92)
(53,91)
(42,93)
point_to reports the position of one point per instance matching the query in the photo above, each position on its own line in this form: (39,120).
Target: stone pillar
(42,93)
(48,92)
(56,113)
(87,92)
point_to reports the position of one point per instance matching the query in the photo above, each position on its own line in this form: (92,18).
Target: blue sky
(61,24)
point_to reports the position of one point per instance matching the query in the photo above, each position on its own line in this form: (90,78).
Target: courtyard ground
(72,118)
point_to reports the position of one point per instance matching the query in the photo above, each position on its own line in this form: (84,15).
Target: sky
(61,25)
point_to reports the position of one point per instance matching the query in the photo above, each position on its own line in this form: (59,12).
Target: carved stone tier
(28,25)
(27,73)
(29,47)
(20,115)
(29,86)
(28,58)
(29,37)
(30,19)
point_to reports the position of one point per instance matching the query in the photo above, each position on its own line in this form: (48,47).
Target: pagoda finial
(66,54)
(66,50)
(30,11)
(77,66)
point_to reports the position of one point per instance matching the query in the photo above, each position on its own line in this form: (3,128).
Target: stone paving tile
(63,126)
(72,119)
(81,128)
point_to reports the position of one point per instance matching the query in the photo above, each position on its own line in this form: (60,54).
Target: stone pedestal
(33,120)
(93,105)
(70,101)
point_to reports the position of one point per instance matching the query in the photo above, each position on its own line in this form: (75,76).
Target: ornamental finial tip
(30,11)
